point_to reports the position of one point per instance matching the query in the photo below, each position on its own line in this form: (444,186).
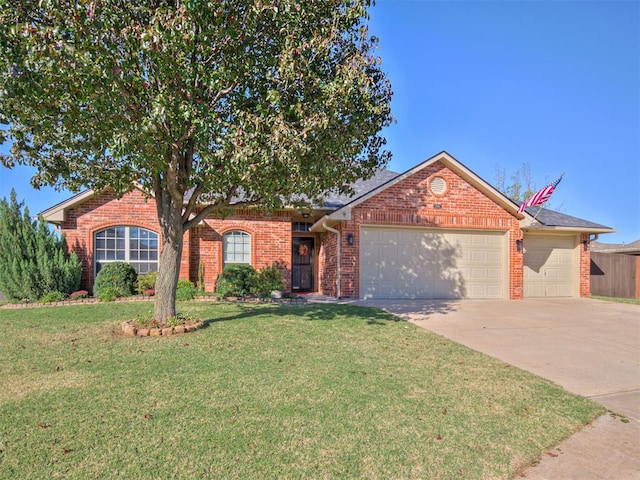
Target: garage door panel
(414,263)
(549,266)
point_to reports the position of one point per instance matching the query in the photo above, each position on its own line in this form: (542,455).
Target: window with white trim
(236,247)
(134,245)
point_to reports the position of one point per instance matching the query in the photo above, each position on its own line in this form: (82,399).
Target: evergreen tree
(33,259)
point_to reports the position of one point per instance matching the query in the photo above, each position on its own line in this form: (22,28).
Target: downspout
(337,232)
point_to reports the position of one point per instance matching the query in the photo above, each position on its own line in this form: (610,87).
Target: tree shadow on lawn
(406,309)
(310,312)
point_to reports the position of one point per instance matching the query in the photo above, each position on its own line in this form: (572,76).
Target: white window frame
(246,241)
(127,248)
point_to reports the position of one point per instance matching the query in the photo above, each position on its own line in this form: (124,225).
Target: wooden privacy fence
(615,275)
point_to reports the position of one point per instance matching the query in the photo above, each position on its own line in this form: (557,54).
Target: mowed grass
(264,392)
(635,301)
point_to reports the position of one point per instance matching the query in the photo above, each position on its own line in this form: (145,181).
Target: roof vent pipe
(337,232)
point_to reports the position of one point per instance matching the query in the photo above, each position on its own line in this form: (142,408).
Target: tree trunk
(170,216)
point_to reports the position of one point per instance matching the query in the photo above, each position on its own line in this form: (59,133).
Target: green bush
(109,294)
(52,297)
(147,282)
(119,276)
(266,280)
(235,280)
(185,290)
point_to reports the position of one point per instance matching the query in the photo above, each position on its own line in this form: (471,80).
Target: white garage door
(419,263)
(549,267)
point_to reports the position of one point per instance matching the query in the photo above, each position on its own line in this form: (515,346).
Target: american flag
(540,196)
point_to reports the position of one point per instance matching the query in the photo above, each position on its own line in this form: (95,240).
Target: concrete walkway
(590,347)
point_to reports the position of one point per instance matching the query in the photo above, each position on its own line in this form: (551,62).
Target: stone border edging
(130,330)
(145,298)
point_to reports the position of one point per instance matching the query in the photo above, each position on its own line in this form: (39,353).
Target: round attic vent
(438,185)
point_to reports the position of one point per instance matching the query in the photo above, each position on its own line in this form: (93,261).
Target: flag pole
(540,208)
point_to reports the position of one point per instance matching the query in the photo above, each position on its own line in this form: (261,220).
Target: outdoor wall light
(306,215)
(585,245)
(350,239)
(519,245)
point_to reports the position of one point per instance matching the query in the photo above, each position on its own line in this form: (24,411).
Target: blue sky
(554,84)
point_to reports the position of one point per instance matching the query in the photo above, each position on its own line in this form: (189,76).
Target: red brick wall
(410,203)
(270,235)
(270,242)
(327,263)
(100,212)
(585,266)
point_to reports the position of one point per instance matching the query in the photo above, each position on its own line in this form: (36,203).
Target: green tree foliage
(521,185)
(203,104)
(33,259)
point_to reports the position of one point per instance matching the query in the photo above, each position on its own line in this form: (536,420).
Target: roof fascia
(552,229)
(56,214)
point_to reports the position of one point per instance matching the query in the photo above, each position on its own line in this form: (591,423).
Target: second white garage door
(419,263)
(549,266)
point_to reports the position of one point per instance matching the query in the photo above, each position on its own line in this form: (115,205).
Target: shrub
(147,282)
(78,295)
(109,294)
(52,297)
(33,258)
(266,280)
(235,280)
(185,290)
(119,276)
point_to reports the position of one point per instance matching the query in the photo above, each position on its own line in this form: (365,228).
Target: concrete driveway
(590,347)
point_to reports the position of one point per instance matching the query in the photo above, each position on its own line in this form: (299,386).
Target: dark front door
(302,264)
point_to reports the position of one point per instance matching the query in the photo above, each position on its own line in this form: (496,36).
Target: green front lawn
(311,392)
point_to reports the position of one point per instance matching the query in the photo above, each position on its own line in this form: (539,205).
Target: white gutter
(337,232)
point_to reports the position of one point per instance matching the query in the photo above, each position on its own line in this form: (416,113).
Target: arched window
(236,247)
(134,245)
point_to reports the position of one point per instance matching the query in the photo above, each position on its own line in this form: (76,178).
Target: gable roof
(344,212)
(56,214)
(544,219)
(534,218)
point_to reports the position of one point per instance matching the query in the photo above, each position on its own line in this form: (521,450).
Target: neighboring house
(437,230)
(632,248)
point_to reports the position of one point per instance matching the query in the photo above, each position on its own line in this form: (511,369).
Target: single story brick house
(435,231)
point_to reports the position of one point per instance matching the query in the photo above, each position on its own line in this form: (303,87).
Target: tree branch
(192,202)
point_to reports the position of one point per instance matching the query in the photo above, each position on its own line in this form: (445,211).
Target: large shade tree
(201,103)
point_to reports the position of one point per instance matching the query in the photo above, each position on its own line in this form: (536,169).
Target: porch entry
(302,256)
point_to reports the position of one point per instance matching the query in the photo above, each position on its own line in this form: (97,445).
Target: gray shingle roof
(551,218)
(360,188)
(632,247)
